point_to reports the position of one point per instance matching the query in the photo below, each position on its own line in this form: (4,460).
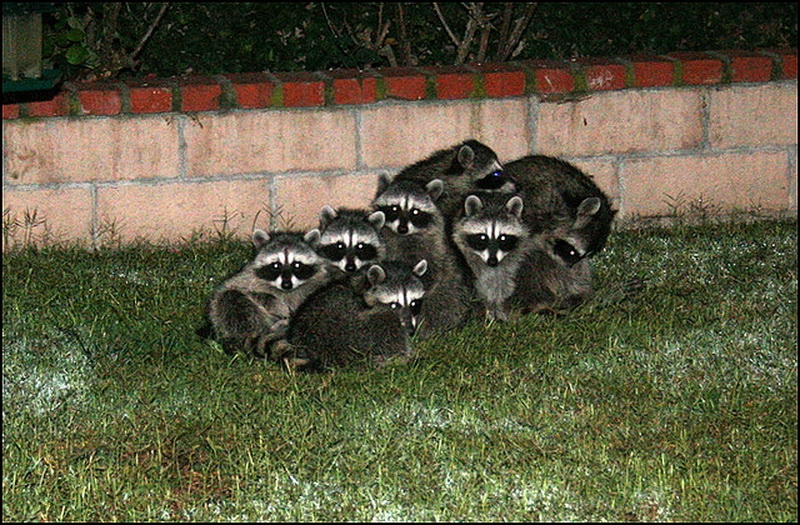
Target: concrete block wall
(168,159)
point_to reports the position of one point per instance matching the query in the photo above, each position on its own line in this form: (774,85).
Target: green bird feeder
(22,48)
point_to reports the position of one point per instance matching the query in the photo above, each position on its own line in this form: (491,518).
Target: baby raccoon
(367,316)
(415,229)
(350,238)
(251,310)
(463,168)
(494,242)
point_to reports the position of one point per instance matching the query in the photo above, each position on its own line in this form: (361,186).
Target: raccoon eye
(478,241)
(507,242)
(269,272)
(334,252)
(567,252)
(492,181)
(395,306)
(366,251)
(392,213)
(420,219)
(302,271)
(416,306)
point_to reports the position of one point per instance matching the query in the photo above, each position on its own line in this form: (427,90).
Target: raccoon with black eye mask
(367,317)
(415,229)
(350,238)
(251,310)
(494,242)
(463,169)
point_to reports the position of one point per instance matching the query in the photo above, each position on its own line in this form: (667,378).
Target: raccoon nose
(402,228)
(286,282)
(492,261)
(350,265)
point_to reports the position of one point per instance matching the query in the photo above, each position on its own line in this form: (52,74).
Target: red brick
(549,76)
(452,82)
(98,98)
(58,106)
(150,95)
(403,82)
(10,111)
(650,70)
(302,89)
(199,94)
(602,74)
(501,80)
(253,90)
(351,86)
(787,59)
(698,68)
(747,66)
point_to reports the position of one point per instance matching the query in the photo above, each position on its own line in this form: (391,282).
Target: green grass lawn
(679,403)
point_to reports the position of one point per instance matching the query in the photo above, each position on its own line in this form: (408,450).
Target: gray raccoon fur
(570,219)
(495,243)
(251,309)
(464,168)
(350,238)
(415,229)
(368,316)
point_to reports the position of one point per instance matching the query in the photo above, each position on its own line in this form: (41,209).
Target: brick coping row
(547,78)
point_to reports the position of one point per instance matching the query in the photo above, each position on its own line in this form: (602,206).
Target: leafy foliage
(99,40)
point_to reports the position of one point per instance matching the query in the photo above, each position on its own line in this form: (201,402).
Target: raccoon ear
(312,237)
(326,215)
(377,219)
(472,205)
(465,156)
(514,206)
(260,238)
(586,210)
(435,188)
(421,268)
(383,182)
(376,275)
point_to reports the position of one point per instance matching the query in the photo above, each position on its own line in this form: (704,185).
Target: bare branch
(453,37)
(150,31)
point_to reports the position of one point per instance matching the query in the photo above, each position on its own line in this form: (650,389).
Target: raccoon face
(286,260)
(409,208)
(480,164)
(571,244)
(393,285)
(350,238)
(490,235)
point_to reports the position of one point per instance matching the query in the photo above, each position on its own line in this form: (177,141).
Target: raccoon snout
(492,261)
(402,228)
(286,284)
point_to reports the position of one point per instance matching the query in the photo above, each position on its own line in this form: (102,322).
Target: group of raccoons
(450,237)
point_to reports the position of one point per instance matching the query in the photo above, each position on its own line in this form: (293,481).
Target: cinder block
(301,197)
(270,141)
(76,150)
(47,216)
(620,122)
(660,185)
(174,211)
(503,126)
(762,115)
(395,136)
(604,172)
